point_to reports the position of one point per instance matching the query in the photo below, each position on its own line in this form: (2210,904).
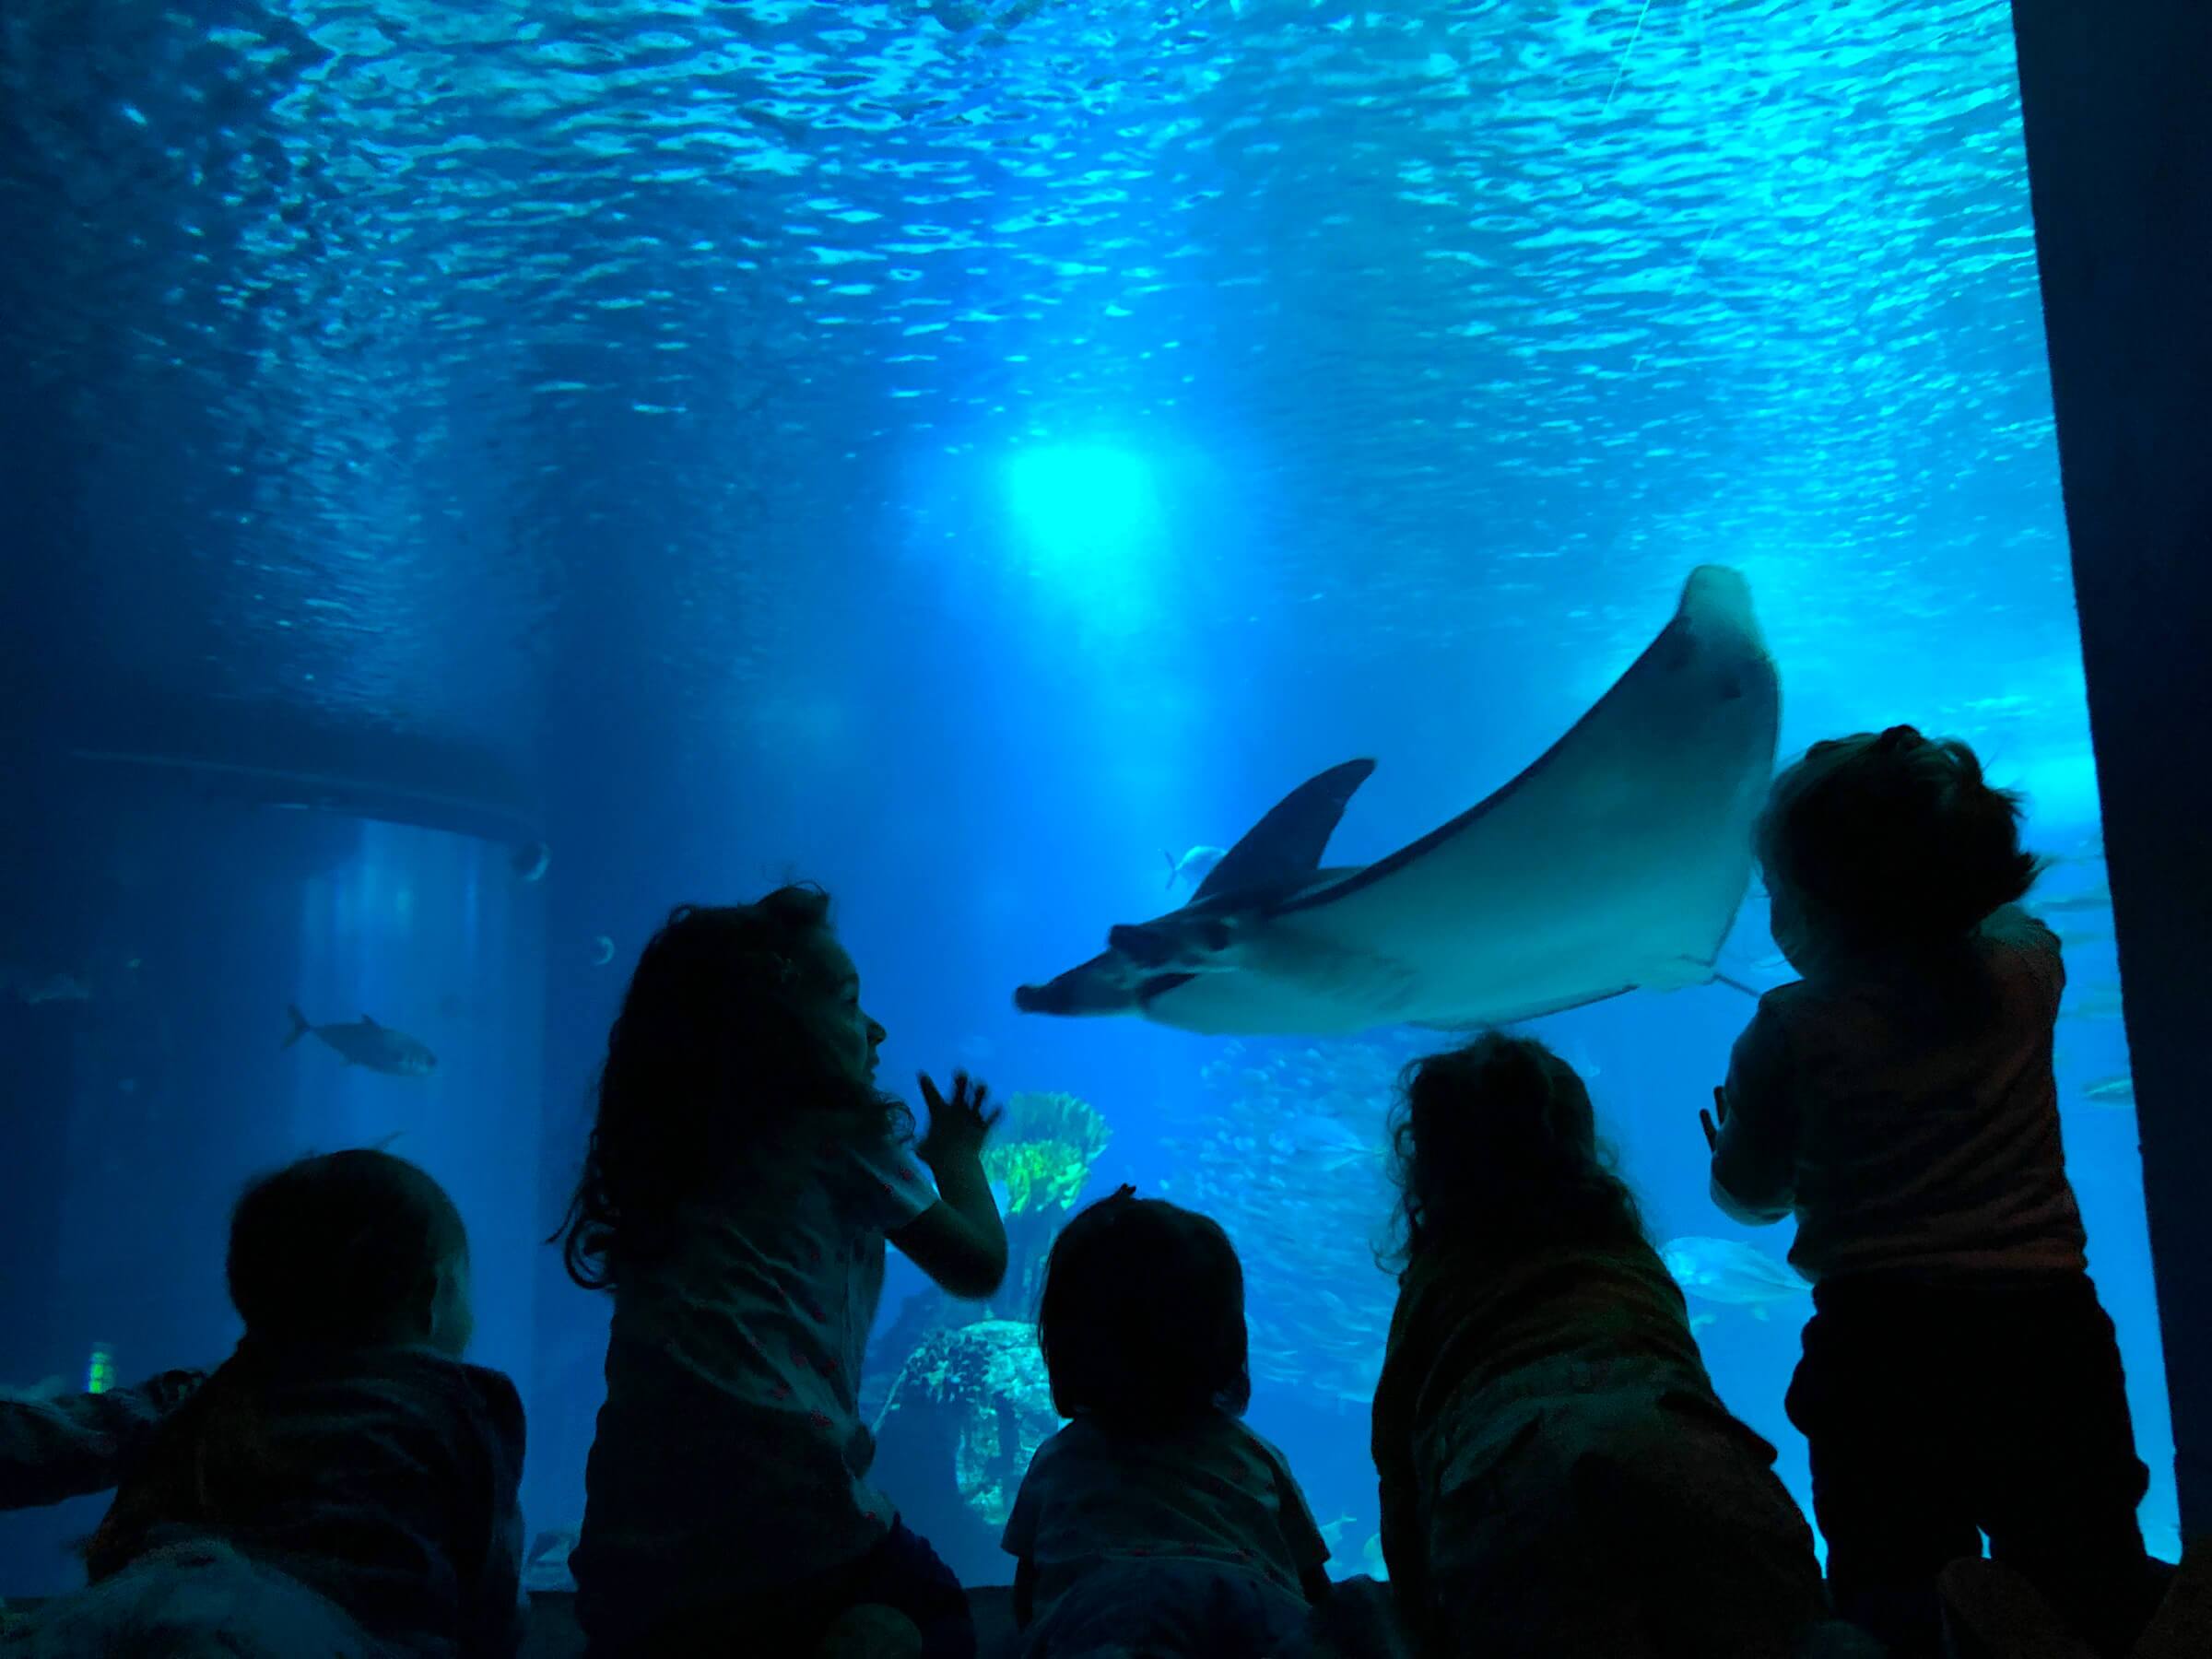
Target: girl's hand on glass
(1712,1121)
(959,1125)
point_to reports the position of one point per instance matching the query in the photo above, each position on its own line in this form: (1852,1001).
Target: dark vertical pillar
(2119,124)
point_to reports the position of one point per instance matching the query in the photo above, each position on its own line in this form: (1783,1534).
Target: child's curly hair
(1892,840)
(1496,1142)
(711,1066)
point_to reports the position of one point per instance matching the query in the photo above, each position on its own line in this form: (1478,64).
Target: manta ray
(1615,863)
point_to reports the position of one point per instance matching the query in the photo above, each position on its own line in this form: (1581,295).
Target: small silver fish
(1329,1145)
(35,988)
(1723,1270)
(2072,932)
(1194,866)
(2090,900)
(2092,1005)
(2112,1091)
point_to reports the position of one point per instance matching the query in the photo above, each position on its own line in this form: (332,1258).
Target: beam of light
(1081,504)
(1087,525)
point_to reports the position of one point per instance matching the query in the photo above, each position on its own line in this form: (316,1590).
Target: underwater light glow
(1080,500)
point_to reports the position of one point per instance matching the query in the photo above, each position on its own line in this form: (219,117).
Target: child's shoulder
(487,1399)
(1786,998)
(500,1404)
(879,1153)
(490,1408)
(1237,1429)
(1803,1005)
(495,1392)
(2013,932)
(1070,1436)
(1231,1438)
(880,1174)
(1067,1454)
(2014,949)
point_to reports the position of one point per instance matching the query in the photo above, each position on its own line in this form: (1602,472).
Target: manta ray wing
(1616,860)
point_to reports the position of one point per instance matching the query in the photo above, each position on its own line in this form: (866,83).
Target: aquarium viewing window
(478,476)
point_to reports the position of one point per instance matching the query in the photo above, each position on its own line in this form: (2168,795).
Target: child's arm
(53,1449)
(1753,1131)
(959,1241)
(1025,1593)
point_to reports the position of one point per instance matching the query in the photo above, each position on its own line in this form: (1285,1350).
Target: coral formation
(964,1417)
(1043,1151)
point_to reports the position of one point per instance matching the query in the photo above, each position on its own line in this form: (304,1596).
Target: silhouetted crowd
(1557,1475)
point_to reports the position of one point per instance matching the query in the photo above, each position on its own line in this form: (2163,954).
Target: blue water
(953,451)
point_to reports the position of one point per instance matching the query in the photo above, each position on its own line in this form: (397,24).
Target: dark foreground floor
(1997,1617)
(553,1633)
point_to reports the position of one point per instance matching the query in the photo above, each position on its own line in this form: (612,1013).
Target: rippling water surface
(394,328)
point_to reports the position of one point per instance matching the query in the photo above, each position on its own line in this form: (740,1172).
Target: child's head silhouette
(1496,1142)
(1887,841)
(350,1249)
(740,1037)
(1142,1320)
